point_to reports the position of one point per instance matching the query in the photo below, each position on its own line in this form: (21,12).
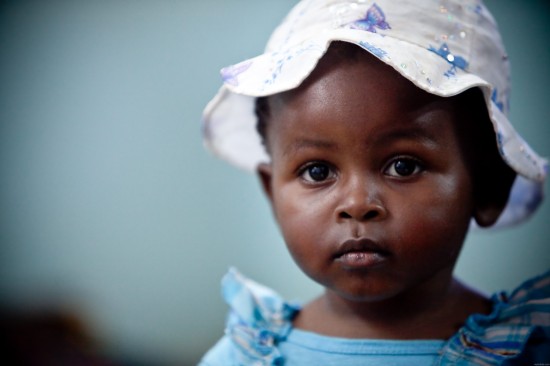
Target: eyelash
(418,167)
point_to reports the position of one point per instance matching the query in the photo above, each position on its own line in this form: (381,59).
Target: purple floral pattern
(230,74)
(375,18)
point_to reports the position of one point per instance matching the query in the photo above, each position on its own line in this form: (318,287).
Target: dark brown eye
(403,167)
(318,172)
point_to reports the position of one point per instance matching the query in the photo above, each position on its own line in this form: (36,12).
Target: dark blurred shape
(47,338)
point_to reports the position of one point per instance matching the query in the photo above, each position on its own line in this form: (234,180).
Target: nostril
(344,215)
(370,215)
(366,216)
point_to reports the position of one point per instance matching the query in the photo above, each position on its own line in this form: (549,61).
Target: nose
(361,201)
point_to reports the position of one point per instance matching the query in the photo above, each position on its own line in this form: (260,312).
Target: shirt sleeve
(222,354)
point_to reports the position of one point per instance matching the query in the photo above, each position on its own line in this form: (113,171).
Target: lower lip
(356,260)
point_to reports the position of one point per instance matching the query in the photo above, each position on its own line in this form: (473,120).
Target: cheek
(449,199)
(438,219)
(302,222)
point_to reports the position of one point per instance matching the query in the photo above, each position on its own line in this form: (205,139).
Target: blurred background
(116,226)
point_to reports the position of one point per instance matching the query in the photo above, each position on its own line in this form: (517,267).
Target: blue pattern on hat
(456,61)
(494,98)
(378,52)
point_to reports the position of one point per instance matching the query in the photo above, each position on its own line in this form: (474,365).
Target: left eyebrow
(413,133)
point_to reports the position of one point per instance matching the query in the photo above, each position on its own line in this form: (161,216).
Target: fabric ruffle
(500,338)
(258,320)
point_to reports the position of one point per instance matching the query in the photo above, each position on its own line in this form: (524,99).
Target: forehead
(352,85)
(356,69)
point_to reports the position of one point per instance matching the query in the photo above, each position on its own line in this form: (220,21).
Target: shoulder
(515,332)
(528,306)
(258,320)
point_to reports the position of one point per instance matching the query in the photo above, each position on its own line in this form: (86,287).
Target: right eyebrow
(308,143)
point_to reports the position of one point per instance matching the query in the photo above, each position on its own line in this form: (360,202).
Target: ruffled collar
(501,336)
(260,319)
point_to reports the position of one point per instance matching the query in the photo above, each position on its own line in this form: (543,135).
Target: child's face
(369,179)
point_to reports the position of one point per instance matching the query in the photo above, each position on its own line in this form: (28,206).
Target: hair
(261,109)
(492,177)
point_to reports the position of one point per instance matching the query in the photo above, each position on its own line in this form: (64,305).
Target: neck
(430,312)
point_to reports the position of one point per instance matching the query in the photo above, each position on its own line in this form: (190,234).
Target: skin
(391,171)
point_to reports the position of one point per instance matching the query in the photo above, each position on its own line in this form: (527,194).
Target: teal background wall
(111,208)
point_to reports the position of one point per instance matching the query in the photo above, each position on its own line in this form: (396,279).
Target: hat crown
(464,33)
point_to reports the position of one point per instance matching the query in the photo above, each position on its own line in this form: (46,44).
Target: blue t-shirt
(259,332)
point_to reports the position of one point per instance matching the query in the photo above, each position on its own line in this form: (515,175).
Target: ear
(492,198)
(487,215)
(265,173)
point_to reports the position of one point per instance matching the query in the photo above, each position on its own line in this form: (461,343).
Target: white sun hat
(443,47)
